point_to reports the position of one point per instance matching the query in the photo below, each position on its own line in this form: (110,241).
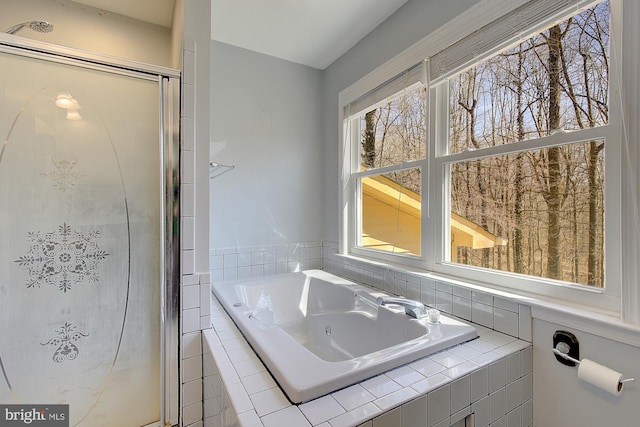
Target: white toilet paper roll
(600,376)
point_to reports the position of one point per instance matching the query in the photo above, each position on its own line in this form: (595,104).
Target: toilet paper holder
(566,350)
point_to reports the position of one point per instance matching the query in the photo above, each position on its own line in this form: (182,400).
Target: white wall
(90,29)
(561,399)
(268,111)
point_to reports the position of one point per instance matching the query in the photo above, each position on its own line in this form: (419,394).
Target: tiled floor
(490,376)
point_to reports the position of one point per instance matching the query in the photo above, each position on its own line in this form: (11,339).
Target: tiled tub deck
(490,377)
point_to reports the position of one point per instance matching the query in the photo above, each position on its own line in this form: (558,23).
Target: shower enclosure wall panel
(82,253)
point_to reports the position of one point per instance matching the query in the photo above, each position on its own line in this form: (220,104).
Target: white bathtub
(317,333)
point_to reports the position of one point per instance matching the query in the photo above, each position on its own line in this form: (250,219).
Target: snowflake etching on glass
(64,176)
(66,349)
(62,258)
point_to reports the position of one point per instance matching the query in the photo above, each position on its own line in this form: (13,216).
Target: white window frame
(352,128)
(621,296)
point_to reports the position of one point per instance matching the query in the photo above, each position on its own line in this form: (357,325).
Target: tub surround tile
(482,297)
(497,375)
(444,301)
(462,307)
(395,399)
(381,385)
(525,331)
(192,392)
(444,423)
(414,412)
(431,383)
(355,416)
(460,370)
(527,413)
(479,384)
(192,368)
(437,390)
(191,320)
(505,321)
(221,322)
(290,416)
(249,367)
(258,382)
(513,393)
(389,419)
(439,405)
(353,396)
(514,418)
(192,414)
(427,367)
(228,264)
(497,405)
(230,274)
(465,352)
(192,344)
(482,314)
(239,398)
(482,345)
(187,262)
(527,387)
(322,409)
(234,344)
(405,376)
(498,338)
(446,359)
(460,415)
(241,354)
(268,401)
(249,419)
(526,361)
(413,290)
(229,334)
(513,368)
(512,347)
(243,273)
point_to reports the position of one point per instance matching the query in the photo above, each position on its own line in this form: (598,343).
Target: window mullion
(556,140)
(387,169)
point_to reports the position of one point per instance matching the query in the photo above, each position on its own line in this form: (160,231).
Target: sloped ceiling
(309,32)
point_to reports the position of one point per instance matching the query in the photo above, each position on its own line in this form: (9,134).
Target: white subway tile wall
(228,264)
(195,287)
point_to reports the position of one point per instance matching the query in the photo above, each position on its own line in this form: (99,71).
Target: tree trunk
(554,178)
(369,148)
(518,238)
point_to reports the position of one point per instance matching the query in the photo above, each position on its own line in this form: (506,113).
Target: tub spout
(412,308)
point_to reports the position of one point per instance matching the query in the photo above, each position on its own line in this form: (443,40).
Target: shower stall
(88,235)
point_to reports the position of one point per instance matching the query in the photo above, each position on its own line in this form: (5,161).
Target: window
(522,158)
(390,137)
(547,202)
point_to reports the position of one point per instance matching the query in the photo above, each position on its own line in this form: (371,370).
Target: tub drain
(327,330)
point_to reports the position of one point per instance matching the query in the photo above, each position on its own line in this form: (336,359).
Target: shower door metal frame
(169,139)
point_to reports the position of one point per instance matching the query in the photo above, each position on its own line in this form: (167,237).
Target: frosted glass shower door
(80,232)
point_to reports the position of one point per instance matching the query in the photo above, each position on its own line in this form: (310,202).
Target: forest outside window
(551,92)
(392,145)
(504,168)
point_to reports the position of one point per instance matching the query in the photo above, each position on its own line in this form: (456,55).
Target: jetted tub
(317,333)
